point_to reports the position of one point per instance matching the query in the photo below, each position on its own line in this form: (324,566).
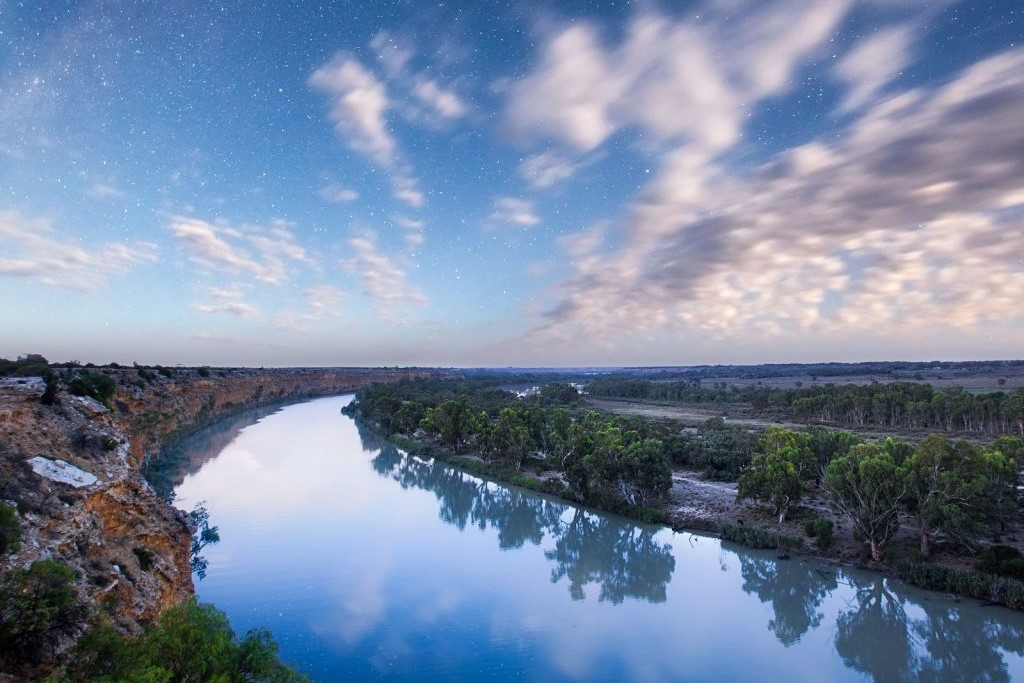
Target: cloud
(444,103)
(547,169)
(34,250)
(321,301)
(263,253)
(338,194)
(513,211)
(440,104)
(413,230)
(383,281)
(226,301)
(909,219)
(103,191)
(871,65)
(359,103)
(359,107)
(689,81)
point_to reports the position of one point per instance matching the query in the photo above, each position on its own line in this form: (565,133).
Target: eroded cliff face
(72,469)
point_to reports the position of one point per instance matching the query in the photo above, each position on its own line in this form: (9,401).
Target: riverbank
(71,469)
(710,507)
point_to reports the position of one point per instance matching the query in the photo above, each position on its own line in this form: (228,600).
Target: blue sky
(535,183)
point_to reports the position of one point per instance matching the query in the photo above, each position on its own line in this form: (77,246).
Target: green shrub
(820,529)
(1002,560)
(203,372)
(95,385)
(10,530)
(753,537)
(968,582)
(190,642)
(37,606)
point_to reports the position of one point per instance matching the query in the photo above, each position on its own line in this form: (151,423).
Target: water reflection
(172,464)
(624,560)
(795,591)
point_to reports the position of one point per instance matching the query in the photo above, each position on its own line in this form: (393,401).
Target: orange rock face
(129,548)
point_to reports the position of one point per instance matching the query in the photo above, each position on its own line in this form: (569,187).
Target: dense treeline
(952,490)
(605,460)
(903,405)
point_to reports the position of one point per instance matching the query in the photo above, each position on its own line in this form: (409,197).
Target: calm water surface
(368,564)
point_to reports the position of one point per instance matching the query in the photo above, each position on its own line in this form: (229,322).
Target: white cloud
(383,280)
(218,246)
(321,301)
(226,301)
(901,222)
(338,194)
(359,103)
(34,250)
(444,103)
(413,229)
(686,81)
(547,169)
(513,211)
(103,191)
(871,65)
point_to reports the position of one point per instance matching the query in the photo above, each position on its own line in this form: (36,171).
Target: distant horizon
(538,183)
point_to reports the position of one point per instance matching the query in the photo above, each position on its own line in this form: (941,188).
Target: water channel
(368,564)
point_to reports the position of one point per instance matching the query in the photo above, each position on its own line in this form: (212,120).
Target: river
(368,564)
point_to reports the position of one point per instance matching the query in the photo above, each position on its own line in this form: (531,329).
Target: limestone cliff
(72,471)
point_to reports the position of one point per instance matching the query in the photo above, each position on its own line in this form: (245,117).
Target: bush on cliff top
(10,530)
(95,385)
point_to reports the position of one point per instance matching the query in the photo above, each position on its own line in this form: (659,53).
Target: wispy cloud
(321,301)
(513,211)
(359,110)
(34,250)
(438,104)
(547,169)
(413,229)
(263,253)
(910,219)
(384,282)
(226,301)
(338,194)
(104,191)
(871,65)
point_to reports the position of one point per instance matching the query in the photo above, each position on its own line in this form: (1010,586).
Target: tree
(203,536)
(646,470)
(95,385)
(37,606)
(864,486)
(510,440)
(777,471)
(946,485)
(10,530)
(452,421)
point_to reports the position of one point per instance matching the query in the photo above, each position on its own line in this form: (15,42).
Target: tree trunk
(876,550)
(926,543)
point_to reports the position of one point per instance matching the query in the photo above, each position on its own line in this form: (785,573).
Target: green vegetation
(612,462)
(782,462)
(820,529)
(898,405)
(10,530)
(37,607)
(95,385)
(974,584)
(190,642)
(203,536)
(29,365)
(752,537)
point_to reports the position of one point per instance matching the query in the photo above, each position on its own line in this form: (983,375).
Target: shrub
(191,642)
(968,582)
(1002,560)
(37,607)
(10,530)
(95,385)
(203,372)
(820,529)
(753,537)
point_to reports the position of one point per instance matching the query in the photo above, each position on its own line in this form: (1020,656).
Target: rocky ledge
(72,471)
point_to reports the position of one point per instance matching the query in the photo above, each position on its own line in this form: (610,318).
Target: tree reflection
(795,591)
(949,643)
(625,560)
(168,469)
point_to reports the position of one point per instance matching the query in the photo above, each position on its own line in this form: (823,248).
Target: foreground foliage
(191,642)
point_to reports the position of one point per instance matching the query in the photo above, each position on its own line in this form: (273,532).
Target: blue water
(368,564)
